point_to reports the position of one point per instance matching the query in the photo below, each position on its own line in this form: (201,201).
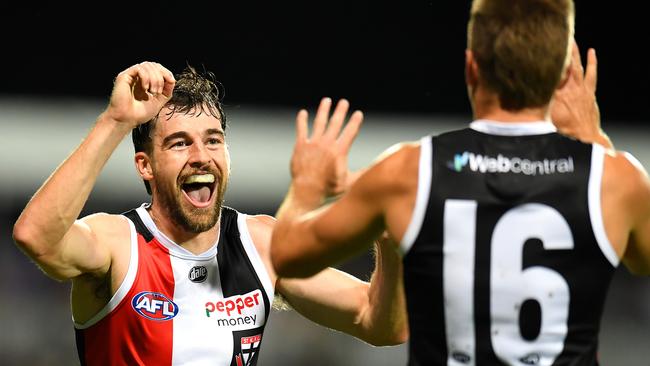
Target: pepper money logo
(502,164)
(154,306)
(237,311)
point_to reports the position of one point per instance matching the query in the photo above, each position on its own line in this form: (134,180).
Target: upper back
(512,244)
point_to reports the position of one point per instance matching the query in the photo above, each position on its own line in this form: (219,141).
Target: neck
(195,243)
(486,105)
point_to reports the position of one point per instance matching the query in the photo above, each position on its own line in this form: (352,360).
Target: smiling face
(189,166)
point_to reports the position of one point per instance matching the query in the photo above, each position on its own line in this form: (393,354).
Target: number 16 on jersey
(511,286)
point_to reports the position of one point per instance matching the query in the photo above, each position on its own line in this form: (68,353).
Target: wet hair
(194,93)
(522,47)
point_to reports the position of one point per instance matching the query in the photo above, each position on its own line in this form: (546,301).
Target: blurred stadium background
(402,64)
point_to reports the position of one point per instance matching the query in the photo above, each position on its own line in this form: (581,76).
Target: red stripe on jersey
(124,336)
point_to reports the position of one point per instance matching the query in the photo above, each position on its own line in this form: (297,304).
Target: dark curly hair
(194,93)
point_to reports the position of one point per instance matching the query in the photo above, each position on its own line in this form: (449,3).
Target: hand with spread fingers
(320,161)
(574,109)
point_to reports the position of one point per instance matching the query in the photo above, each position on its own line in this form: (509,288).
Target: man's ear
(471,69)
(143,165)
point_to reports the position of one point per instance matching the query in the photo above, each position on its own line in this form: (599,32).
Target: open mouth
(199,189)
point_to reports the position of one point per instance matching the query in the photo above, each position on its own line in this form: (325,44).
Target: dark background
(403,56)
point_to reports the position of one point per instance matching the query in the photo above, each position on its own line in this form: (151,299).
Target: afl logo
(198,274)
(154,306)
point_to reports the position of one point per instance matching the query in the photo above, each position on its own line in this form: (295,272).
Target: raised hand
(574,109)
(320,161)
(139,93)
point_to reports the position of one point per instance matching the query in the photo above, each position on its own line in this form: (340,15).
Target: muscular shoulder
(402,152)
(110,233)
(621,164)
(260,228)
(626,178)
(260,224)
(106,227)
(102,220)
(396,169)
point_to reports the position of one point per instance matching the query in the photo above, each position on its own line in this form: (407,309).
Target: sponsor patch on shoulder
(154,306)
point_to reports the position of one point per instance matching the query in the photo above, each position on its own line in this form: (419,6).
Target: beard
(193,219)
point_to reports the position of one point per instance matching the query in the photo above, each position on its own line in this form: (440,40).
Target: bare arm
(374,311)
(308,242)
(48,230)
(630,218)
(310,236)
(316,163)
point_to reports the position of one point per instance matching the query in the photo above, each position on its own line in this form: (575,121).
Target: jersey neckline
(174,248)
(513,128)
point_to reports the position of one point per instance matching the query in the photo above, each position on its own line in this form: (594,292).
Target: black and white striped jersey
(506,260)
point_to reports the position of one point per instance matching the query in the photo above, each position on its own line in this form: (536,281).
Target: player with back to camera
(510,229)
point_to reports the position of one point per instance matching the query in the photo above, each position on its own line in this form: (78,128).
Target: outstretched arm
(318,170)
(574,109)
(308,238)
(373,311)
(311,235)
(48,230)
